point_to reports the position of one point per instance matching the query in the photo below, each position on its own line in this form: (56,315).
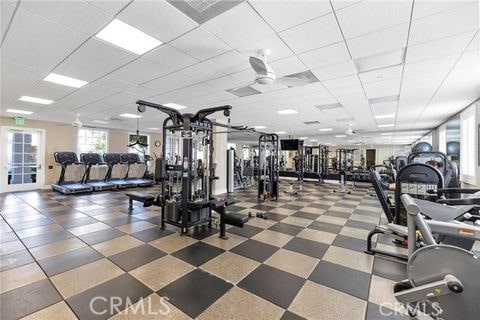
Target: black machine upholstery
(112,158)
(382,194)
(90,158)
(130,158)
(65,157)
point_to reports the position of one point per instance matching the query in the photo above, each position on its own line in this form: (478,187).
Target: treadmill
(113,159)
(65,159)
(133,158)
(91,159)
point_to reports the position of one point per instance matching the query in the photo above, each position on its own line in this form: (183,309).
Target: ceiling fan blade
(258,65)
(292,82)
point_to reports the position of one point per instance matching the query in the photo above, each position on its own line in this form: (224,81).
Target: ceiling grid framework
(197,63)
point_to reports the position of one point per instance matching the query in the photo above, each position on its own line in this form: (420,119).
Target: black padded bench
(232,218)
(146,199)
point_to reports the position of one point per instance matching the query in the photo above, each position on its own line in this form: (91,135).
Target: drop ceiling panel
(448,23)
(110,6)
(381,74)
(229,62)
(282,15)
(334,71)
(78,15)
(82,96)
(442,64)
(140,70)
(320,32)
(438,48)
(370,16)
(141,92)
(384,108)
(202,72)
(113,102)
(209,100)
(377,42)
(51,42)
(382,88)
(200,44)
(325,56)
(158,19)
(342,82)
(224,83)
(16,80)
(170,82)
(428,8)
(288,66)
(238,26)
(347,91)
(273,42)
(171,57)
(48,90)
(6,10)
(113,84)
(470,58)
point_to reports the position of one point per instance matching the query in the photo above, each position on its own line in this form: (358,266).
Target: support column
(220,158)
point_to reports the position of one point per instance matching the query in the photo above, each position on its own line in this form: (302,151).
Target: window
(138,149)
(468,141)
(92,140)
(442,138)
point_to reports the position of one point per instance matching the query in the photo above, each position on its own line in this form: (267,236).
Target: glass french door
(22,159)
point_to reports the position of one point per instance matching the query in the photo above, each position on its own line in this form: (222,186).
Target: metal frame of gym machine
(187,209)
(268,175)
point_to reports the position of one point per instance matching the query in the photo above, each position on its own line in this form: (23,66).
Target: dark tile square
(360,225)
(78,222)
(195,292)
(290,316)
(101,236)
(28,299)
(203,232)
(337,214)
(272,284)
(306,215)
(276,216)
(136,257)
(350,243)
(125,289)
(31,224)
(154,220)
(198,253)
(47,238)
(255,250)
(353,282)
(366,213)
(291,207)
(121,221)
(15,259)
(286,228)
(307,247)
(320,206)
(151,234)
(261,207)
(247,231)
(390,269)
(98,211)
(327,227)
(67,261)
(346,205)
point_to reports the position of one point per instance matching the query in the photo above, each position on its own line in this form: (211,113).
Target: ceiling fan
(77,123)
(266,75)
(350,131)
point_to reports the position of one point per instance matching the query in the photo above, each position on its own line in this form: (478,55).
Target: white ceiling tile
(238,26)
(196,90)
(333,71)
(48,90)
(380,41)
(52,42)
(113,84)
(347,91)
(317,33)
(385,108)
(78,15)
(431,65)
(158,19)
(315,88)
(224,83)
(438,48)
(246,76)
(429,7)
(278,48)
(15,80)
(141,92)
(282,15)
(208,100)
(325,56)
(140,70)
(6,10)
(110,6)
(370,16)
(470,58)
(168,55)
(382,88)
(82,96)
(202,72)
(201,44)
(340,4)
(381,74)
(111,102)
(342,82)
(287,66)
(93,60)
(229,62)
(445,24)
(170,82)
(268,87)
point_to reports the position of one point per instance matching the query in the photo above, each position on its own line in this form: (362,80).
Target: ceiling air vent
(345,119)
(311,122)
(244,91)
(305,75)
(330,106)
(201,11)
(383,99)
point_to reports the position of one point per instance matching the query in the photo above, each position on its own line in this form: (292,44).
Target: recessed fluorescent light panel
(325,129)
(280,132)
(19,111)
(313,140)
(385,116)
(243,91)
(386,125)
(175,106)
(35,100)
(383,99)
(259,127)
(100,121)
(330,106)
(287,111)
(127,37)
(311,122)
(65,81)
(303,138)
(130,115)
(340,136)
(386,133)
(153,128)
(380,61)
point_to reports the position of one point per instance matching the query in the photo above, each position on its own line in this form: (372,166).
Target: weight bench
(233,219)
(146,199)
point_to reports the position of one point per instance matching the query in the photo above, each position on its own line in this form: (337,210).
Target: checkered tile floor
(60,252)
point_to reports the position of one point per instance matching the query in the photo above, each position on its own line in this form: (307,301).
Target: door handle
(39,166)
